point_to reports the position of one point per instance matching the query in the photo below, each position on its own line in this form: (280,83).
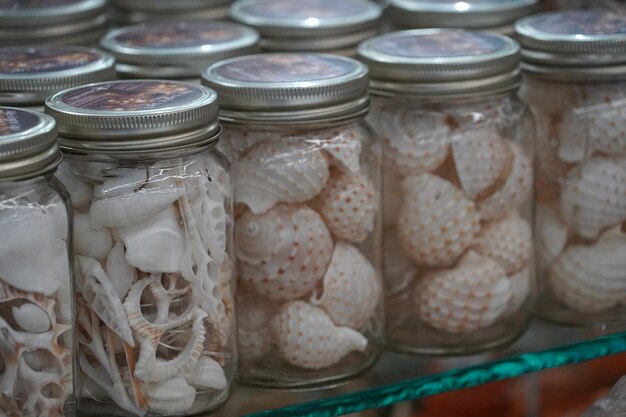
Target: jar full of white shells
(575,82)
(307,233)
(458,176)
(36,303)
(152,246)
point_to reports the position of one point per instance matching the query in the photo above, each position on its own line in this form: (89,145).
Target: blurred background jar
(128,12)
(310,26)
(67,22)
(152,246)
(177,50)
(35,276)
(586,4)
(29,74)
(575,82)
(307,202)
(457,152)
(492,15)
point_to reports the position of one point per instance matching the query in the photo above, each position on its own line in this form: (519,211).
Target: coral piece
(171,396)
(210,214)
(90,242)
(253,318)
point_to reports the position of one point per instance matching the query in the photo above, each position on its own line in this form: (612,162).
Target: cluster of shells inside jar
(457,246)
(306,209)
(154,303)
(35,307)
(581,192)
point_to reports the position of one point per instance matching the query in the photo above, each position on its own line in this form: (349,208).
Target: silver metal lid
(168,5)
(30,74)
(33,13)
(468,14)
(440,62)
(124,17)
(134,115)
(288,87)
(177,49)
(28,145)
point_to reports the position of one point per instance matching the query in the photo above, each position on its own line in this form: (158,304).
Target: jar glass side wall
(308,245)
(458,178)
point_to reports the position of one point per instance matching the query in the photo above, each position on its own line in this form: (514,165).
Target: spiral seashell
(520,289)
(482,159)
(507,241)
(551,234)
(437,222)
(515,191)
(283,253)
(306,337)
(592,278)
(348,205)
(279,171)
(393,196)
(352,288)
(594,198)
(253,318)
(465,299)
(170,397)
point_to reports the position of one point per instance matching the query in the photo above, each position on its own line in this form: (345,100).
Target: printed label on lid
(311,9)
(14,121)
(132,96)
(588,22)
(183,34)
(13,5)
(44,60)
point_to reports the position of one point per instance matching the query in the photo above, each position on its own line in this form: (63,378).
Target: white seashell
(393,196)
(399,270)
(507,241)
(592,278)
(207,374)
(352,289)
(573,145)
(279,171)
(156,245)
(349,205)
(551,234)
(482,159)
(31,318)
(210,215)
(90,242)
(119,271)
(121,181)
(307,338)
(515,191)
(594,198)
(253,318)
(283,253)
(437,222)
(343,144)
(520,289)
(240,140)
(80,191)
(167,174)
(465,299)
(58,215)
(170,397)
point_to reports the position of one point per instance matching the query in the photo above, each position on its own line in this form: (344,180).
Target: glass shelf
(400,377)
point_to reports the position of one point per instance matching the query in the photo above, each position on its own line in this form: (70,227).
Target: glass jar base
(552,310)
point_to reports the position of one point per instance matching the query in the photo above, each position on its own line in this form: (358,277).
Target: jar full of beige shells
(307,233)
(575,82)
(152,246)
(458,176)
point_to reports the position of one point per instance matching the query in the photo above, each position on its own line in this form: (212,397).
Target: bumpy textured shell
(306,336)
(594,197)
(437,222)
(482,159)
(467,298)
(592,278)
(515,191)
(349,204)
(551,234)
(520,289)
(507,241)
(352,288)
(283,253)
(279,171)
(253,318)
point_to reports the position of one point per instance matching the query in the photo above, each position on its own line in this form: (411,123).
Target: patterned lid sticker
(589,23)
(43,60)
(14,121)
(15,5)
(180,35)
(300,9)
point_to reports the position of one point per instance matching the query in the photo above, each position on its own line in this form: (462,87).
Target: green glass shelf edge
(414,389)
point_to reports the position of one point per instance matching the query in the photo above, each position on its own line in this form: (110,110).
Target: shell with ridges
(210,215)
(254,314)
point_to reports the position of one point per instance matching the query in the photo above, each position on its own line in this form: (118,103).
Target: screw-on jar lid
(577,42)
(30,74)
(441,62)
(177,49)
(288,87)
(469,14)
(33,13)
(28,145)
(168,5)
(137,115)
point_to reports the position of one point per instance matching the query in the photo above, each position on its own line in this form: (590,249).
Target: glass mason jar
(152,246)
(177,50)
(66,22)
(576,85)
(29,74)
(310,26)
(128,12)
(493,15)
(307,237)
(37,348)
(457,152)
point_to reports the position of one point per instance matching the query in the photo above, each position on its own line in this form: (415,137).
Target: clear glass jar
(307,230)
(37,348)
(575,84)
(310,26)
(458,149)
(128,12)
(152,246)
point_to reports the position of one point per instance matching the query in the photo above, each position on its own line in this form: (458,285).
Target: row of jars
(160,233)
